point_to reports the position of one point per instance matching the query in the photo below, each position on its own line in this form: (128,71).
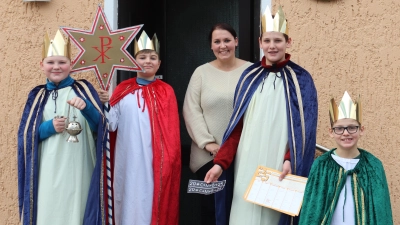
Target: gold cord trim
(86,88)
(300,100)
(335,196)
(36,100)
(247,90)
(355,187)
(92,99)
(291,123)
(362,207)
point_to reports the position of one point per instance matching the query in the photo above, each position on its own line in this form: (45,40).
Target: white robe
(65,168)
(344,211)
(133,170)
(263,142)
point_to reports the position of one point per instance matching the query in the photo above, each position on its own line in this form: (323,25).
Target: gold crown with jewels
(56,47)
(277,23)
(347,109)
(144,42)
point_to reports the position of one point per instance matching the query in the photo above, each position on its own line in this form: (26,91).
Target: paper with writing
(285,196)
(201,187)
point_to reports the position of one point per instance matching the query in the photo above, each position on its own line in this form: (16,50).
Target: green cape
(370,191)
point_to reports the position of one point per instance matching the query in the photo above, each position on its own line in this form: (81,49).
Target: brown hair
(222,26)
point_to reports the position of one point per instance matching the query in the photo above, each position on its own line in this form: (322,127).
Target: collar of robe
(64,83)
(274,68)
(54,88)
(144,82)
(277,66)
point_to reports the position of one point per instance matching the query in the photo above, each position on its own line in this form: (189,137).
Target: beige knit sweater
(208,107)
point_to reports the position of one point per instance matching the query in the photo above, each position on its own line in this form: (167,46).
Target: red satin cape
(161,104)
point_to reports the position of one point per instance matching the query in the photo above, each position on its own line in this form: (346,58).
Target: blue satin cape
(28,143)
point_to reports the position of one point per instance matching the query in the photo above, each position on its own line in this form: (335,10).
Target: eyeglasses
(350,129)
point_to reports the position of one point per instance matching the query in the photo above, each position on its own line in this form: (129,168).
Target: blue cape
(302,115)
(28,142)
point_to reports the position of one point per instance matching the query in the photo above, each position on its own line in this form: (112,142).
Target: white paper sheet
(285,196)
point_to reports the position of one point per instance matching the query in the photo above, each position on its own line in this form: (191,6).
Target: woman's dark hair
(222,26)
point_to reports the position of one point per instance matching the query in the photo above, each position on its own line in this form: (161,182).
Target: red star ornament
(101,49)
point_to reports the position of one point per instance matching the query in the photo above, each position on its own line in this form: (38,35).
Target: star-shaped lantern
(102,49)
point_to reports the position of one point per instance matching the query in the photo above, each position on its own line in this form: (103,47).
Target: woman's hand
(213,148)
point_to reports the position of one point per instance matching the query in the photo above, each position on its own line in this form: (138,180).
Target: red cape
(163,113)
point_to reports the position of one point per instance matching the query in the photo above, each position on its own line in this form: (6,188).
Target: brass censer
(73,128)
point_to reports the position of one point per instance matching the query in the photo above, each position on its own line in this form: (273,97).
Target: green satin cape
(369,186)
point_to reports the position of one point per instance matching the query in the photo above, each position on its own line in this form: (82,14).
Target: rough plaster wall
(354,45)
(22,27)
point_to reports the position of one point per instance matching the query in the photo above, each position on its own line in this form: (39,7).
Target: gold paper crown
(347,109)
(277,23)
(56,47)
(145,42)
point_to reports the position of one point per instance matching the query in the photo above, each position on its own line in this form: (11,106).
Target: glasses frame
(345,128)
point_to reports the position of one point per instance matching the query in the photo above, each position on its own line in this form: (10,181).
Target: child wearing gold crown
(145,144)
(347,185)
(273,124)
(58,181)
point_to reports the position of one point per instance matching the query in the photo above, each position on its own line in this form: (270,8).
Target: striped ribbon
(108,165)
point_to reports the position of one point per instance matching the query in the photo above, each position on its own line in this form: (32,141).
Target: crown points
(56,47)
(156,43)
(277,23)
(144,42)
(347,109)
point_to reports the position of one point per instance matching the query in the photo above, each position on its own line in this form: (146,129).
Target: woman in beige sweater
(208,106)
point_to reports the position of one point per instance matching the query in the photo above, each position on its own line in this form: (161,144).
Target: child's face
(56,68)
(274,46)
(223,44)
(150,63)
(349,138)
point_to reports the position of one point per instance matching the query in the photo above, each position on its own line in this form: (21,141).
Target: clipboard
(285,196)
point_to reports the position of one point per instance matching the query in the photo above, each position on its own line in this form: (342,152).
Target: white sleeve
(113,117)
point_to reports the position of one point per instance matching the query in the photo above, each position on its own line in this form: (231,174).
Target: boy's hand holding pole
(104,96)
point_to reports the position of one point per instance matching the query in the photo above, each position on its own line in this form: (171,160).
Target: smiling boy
(273,124)
(58,180)
(347,185)
(145,144)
